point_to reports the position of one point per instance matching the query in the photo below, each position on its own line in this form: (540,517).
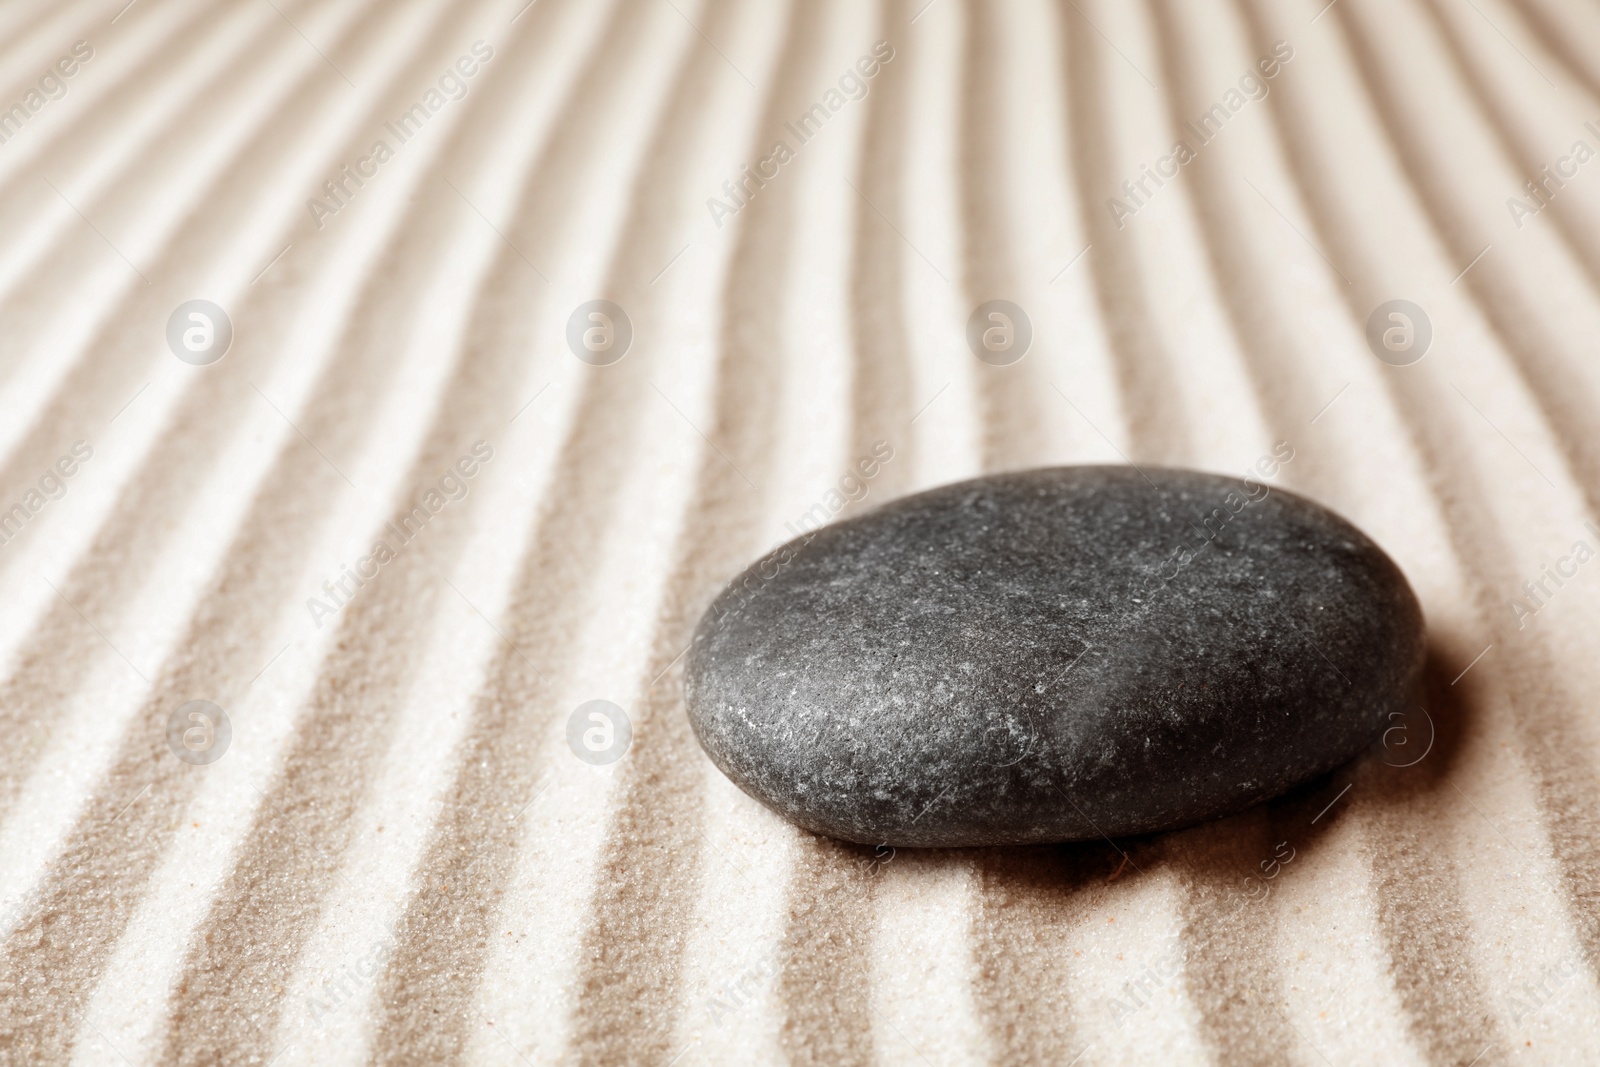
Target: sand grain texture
(399,859)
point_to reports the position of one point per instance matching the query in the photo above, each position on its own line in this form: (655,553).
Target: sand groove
(583,162)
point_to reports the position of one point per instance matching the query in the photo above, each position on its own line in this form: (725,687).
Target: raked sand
(400,531)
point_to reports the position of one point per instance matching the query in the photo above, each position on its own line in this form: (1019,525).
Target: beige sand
(399,859)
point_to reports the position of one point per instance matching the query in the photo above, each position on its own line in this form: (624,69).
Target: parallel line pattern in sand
(824,984)
(248,946)
(287,95)
(88,894)
(628,997)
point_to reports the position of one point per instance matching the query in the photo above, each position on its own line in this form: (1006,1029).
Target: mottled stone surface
(1053,655)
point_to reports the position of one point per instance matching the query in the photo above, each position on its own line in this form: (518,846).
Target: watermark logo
(52,485)
(52,85)
(999,332)
(1138,191)
(853,84)
(404,528)
(1552,178)
(599,732)
(1402,748)
(198,732)
(599,332)
(851,487)
(199,332)
(1399,332)
(338,990)
(1253,490)
(1540,590)
(1535,997)
(339,191)
(1139,992)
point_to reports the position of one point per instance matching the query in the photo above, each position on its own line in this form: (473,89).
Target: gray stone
(1053,655)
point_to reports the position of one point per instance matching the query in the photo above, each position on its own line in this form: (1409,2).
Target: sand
(398,857)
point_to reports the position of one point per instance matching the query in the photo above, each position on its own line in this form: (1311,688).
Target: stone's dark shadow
(1454,712)
(1051,868)
(1054,868)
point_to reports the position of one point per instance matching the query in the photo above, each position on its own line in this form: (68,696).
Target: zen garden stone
(1053,655)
